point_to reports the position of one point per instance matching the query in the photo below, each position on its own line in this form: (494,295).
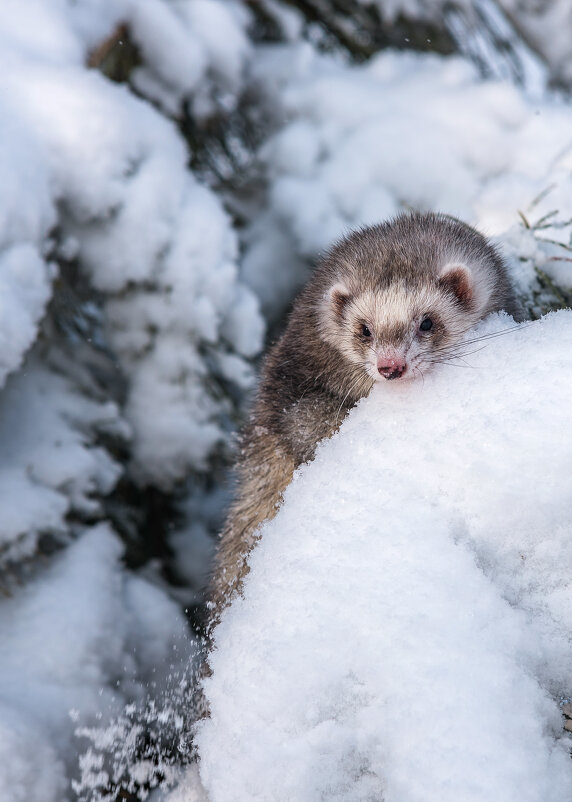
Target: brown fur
(389,277)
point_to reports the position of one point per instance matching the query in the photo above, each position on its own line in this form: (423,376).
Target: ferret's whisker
(450,362)
(500,333)
(460,354)
(352,386)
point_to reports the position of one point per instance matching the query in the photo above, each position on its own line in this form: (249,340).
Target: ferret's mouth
(396,373)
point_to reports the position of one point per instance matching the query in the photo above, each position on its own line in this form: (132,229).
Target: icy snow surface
(404,632)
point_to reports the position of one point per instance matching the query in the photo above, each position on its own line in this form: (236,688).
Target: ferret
(385,304)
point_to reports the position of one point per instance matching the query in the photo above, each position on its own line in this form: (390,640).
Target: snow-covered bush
(123,324)
(401,131)
(157,245)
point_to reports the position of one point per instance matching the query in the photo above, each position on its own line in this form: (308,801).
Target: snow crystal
(405,626)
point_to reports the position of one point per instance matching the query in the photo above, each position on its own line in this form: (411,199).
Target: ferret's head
(402,295)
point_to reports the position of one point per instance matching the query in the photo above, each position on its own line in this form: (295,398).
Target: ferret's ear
(457,278)
(339,296)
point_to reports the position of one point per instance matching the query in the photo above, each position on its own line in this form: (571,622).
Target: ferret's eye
(426,324)
(365,331)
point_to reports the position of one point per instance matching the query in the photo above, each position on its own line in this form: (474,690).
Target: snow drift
(404,631)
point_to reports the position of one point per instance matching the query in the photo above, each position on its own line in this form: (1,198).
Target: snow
(41,779)
(73,640)
(139,221)
(404,631)
(179,65)
(48,467)
(190,48)
(26,217)
(24,291)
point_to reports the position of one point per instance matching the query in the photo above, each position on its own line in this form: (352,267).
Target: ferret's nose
(391,368)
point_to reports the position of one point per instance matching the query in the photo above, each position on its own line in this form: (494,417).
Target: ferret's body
(385,304)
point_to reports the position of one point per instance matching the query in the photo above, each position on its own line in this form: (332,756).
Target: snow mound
(404,631)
